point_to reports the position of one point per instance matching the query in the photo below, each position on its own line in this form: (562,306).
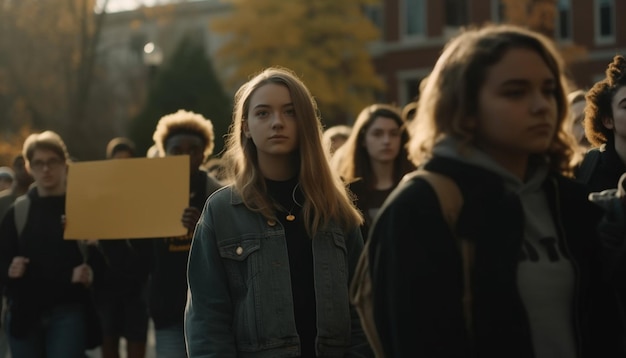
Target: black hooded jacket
(417,270)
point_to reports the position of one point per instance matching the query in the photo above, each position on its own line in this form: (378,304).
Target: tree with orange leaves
(323,41)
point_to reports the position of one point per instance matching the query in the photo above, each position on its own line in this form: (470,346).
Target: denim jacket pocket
(241,259)
(240,251)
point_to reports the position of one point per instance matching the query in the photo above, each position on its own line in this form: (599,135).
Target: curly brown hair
(599,97)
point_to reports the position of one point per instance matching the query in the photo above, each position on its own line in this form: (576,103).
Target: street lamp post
(152,58)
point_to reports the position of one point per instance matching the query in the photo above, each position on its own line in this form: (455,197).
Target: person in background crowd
(21,182)
(179,133)
(121,288)
(334,137)
(47,277)
(605,128)
(520,273)
(274,252)
(153,152)
(120,148)
(374,158)
(6,178)
(215,167)
(577,103)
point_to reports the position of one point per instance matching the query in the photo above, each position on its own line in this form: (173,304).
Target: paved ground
(150,351)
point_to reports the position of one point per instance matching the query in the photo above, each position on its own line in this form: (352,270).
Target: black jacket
(417,270)
(47,281)
(607,169)
(168,283)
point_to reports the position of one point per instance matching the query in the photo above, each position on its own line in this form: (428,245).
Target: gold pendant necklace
(290,216)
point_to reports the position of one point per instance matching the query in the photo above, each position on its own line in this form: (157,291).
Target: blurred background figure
(605,119)
(374,158)
(121,290)
(21,182)
(47,278)
(191,134)
(577,105)
(215,167)
(6,178)
(334,137)
(153,152)
(120,147)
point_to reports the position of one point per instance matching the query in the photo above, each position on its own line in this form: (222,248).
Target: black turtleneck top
(300,250)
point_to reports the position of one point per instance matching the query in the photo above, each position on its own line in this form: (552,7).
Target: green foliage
(324,41)
(187,81)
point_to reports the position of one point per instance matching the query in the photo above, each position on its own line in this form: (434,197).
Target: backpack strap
(451,202)
(21,207)
(448,193)
(361,297)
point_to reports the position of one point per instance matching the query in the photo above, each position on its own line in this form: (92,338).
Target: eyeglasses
(54,163)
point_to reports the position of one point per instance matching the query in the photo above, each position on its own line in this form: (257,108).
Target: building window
(605,21)
(564,20)
(456,13)
(409,83)
(414,19)
(412,89)
(497,11)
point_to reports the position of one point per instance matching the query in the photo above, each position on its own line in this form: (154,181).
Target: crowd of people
(277,224)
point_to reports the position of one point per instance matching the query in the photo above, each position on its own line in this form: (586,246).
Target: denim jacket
(239,301)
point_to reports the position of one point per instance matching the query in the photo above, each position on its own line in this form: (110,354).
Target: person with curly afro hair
(179,133)
(605,129)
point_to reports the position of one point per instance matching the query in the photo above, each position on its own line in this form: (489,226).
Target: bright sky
(122,5)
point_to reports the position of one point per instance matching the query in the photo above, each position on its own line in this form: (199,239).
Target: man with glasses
(46,276)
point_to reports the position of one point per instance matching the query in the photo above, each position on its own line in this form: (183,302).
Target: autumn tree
(325,42)
(186,81)
(48,59)
(11,144)
(52,69)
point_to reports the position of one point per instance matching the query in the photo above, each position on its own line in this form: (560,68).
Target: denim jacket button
(271,222)
(239,250)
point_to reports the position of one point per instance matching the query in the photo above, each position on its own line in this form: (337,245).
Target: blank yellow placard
(127,198)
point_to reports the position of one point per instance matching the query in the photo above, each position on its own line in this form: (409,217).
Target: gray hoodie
(545,276)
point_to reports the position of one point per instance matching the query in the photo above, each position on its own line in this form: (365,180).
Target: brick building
(414,32)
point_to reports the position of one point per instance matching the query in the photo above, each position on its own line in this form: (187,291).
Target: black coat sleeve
(416,277)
